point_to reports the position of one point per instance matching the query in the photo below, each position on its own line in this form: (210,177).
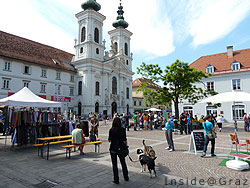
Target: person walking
(189,123)
(219,121)
(135,121)
(208,127)
(246,122)
(169,133)
(118,141)
(126,122)
(183,127)
(145,119)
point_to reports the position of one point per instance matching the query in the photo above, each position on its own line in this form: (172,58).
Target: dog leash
(131,159)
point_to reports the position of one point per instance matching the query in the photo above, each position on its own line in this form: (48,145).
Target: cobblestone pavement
(22,167)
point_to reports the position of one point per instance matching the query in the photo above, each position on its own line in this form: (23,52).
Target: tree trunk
(176,108)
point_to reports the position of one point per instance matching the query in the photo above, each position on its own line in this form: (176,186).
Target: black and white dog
(146,160)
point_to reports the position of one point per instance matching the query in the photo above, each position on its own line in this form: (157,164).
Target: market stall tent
(26,98)
(153,110)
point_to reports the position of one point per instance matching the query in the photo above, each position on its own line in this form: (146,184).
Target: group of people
(147,120)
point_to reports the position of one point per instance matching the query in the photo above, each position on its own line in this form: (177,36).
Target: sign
(50,98)
(196,142)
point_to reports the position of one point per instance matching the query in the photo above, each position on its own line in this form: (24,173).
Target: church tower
(120,39)
(89,44)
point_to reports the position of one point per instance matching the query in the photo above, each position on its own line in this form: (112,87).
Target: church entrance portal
(79,109)
(114,108)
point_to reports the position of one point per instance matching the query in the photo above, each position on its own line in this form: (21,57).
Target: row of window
(135,103)
(234,66)
(96,35)
(27,70)
(97,88)
(6,85)
(235,85)
(237,111)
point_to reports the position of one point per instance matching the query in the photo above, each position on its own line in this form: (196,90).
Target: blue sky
(163,30)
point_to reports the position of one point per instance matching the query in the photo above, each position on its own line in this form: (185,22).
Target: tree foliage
(179,84)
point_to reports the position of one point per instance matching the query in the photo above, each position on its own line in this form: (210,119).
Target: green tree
(178,80)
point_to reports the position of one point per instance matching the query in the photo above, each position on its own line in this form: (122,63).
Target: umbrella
(153,110)
(233,96)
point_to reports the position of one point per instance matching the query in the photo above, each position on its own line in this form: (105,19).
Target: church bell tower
(89,44)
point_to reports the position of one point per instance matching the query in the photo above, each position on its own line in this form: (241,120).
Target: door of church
(114,108)
(79,109)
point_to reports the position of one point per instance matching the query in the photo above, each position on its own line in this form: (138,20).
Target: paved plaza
(21,167)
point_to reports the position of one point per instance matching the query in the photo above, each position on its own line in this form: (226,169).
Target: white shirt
(219,119)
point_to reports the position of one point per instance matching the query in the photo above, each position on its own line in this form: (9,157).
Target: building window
(71,91)
(43,88)
(26,84)
(83,34)
(6,66)
(127,62)
(126,49)
(27,70)
(134,103)
(58,89)
(81,50)
(210,86)
(44,73)
(235,66)
(97,85)
(80,88)
(210,69)
(58,76)
(97,50)
(115,47)
(96,38)
(139,103)
(72,78)
(188,109)
(238,112)
(211,110)
(6,83)
(127,93)
(236,84)
(114,85)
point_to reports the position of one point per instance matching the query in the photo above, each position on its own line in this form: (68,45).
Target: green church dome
(120,22)
(91,4)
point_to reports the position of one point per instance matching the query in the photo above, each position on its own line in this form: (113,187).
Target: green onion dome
(120,22)
(91,4)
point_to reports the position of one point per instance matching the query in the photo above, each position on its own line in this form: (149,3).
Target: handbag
(211,135)
(123,152)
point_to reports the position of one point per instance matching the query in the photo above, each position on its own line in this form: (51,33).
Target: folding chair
(248,144)
(234,142)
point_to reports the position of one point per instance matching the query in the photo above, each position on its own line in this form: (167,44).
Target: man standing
(183,123)
(169,133)
(135,121)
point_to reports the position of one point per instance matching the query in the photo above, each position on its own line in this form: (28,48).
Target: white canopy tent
(153,110)
(234,97)
(26,98)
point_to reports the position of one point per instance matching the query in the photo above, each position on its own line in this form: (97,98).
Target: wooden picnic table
(48,140)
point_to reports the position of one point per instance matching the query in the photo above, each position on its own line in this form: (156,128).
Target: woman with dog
(118,142)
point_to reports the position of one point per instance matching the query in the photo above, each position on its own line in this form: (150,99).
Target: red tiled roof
(222,63)
(138,81)
(19,48)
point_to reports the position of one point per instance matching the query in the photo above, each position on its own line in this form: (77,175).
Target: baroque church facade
(91,80)
(104,78)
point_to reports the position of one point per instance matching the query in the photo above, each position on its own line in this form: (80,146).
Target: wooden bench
(44,144)
(69,147)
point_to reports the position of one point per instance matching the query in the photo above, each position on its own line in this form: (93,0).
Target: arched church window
(80,88)
(97,86)
(96,35)
(81,50)
(116,47)
(114,85)
(126,49)
(97,50)
(127,62)
(83,34)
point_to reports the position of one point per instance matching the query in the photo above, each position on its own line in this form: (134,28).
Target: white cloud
(215,19)
(22,20)
(152,35)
